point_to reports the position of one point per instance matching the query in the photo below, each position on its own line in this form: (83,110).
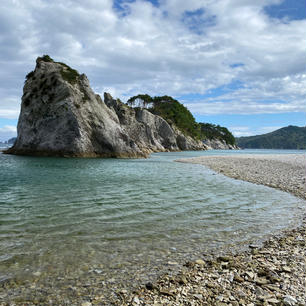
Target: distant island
(62,116)
(290,137)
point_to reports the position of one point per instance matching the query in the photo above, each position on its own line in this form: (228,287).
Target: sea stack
(62,116)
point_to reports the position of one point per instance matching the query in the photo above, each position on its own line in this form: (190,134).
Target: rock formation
(217,144)
(62,116)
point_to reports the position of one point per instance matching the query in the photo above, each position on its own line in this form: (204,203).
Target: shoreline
(285,172)
(271,274)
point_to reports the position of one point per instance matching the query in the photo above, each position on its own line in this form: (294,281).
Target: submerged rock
(62,116)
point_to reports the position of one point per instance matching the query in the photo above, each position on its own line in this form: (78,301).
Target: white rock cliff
(61,116)
(217,144)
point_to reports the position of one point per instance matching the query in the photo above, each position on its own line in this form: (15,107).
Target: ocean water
(126,221)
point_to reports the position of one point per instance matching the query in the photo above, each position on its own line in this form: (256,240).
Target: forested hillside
(212,131)
(290,137)
(176,113)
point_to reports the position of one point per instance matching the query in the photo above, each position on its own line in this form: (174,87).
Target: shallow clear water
(126,219)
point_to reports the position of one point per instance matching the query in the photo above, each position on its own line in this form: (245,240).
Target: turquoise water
(126,219)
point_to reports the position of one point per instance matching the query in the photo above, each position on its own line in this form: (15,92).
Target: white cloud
(153,49)
(7,132)
(9,113)
(8,128)
(9,107)
(276,95)
(239,131)
(245,108)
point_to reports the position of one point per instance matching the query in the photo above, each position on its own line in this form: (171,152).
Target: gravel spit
(286,172)
(272,274)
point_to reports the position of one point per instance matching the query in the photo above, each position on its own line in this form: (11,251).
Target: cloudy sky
(237,63)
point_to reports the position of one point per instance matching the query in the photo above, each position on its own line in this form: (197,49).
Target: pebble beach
(268,274)
(282,171)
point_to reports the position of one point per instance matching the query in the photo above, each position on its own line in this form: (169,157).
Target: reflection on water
(125,219)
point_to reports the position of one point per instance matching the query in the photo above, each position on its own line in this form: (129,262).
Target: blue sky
(237,63)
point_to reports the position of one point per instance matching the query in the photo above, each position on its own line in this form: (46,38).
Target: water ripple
(125,211)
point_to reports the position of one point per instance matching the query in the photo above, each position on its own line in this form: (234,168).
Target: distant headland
(290,137)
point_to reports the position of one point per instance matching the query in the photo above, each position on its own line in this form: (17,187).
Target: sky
(236,63)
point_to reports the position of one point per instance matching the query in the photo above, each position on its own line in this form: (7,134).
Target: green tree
(212,131)
(172,111)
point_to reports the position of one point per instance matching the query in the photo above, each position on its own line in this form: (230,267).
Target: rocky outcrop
(217,144)
(62,116)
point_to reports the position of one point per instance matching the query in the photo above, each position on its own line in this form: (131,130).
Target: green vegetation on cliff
(212,131)
(176,113)
(290,137)
(171,110)
(68,74)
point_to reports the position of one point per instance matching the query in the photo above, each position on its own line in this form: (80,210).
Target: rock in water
(62,116)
